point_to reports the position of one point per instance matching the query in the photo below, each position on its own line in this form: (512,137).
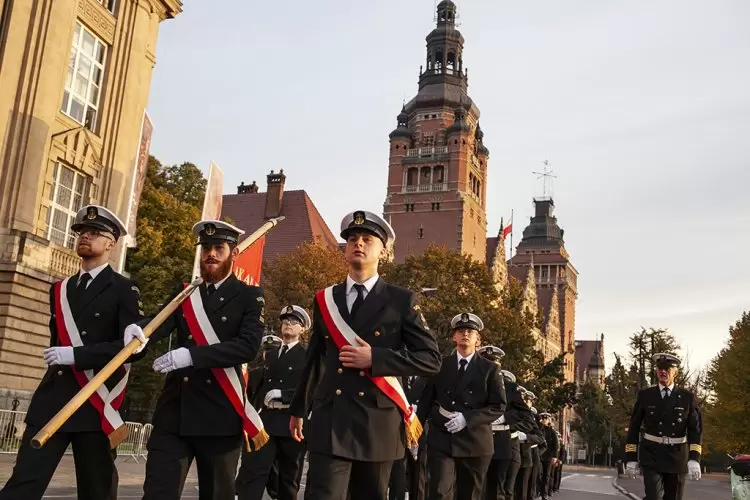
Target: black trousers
(254,472)
(494,481)
(522,483)
(96,475)
(397,482)
(531,487)
(328,478)
(466,474)
(417,474)
(546,481)
(663,486)
(509,484)
(558,477)
(170,457)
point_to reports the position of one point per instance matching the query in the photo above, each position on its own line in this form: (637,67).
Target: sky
(642,109)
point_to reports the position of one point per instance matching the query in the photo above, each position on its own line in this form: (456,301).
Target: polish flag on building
(507,229)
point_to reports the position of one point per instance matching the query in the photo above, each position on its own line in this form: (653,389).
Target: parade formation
(368,403)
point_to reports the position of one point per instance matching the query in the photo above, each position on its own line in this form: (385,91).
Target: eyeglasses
(93,234)
(290,321)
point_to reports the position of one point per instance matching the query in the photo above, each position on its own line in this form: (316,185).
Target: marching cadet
(529,441)
(88,315)
(417,466)
(366,336)
(671,446)
(536,467)
(563,455)
(461,402)
(506,460)
(202,410)
(283,367)
(549,456)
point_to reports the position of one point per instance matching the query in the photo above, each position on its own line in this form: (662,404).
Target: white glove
(414,450)
(134,332)
(59,356)
(272,394)
(694,470)
(173,360)
(522,437)
(499,421)
(631,469)
(414,409)
(456,424)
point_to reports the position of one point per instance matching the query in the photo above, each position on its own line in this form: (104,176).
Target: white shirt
(93,273)
(289,345)
(467,358)
(661,390)
(218,283)
(351,292)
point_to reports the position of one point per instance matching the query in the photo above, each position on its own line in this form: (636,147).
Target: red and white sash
(343,335)
(204,334)
(106,402)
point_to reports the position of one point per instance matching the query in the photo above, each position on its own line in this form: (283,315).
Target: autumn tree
(548,384)
(170,204)
(452,283)
(727,417)
(622,389)
(294,278)
(592,419)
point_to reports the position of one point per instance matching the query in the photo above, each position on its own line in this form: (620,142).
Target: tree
(294,278)
(643,345)
(171,203)
(592,419)
(726,418)
(622,389)
(452,283)
(548,384)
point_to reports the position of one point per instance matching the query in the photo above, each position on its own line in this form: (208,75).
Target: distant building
(250,208)
(75,77)
(589,361)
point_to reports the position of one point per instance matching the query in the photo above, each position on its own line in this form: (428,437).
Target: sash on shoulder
(106,402)
(342,335)
(204,334)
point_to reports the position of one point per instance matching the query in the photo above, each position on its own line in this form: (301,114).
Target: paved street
(709,487)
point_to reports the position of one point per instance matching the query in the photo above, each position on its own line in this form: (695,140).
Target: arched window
(439,60)
(426,175)
(438,173)
(412,176)
(450,63)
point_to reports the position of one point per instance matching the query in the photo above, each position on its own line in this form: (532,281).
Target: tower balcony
(425,188)
(429,153)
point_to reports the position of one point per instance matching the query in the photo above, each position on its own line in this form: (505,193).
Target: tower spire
(499,266)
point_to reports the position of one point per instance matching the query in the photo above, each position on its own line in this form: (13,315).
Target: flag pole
(510,254)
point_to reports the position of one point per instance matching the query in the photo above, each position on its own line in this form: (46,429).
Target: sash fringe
(117,436)
(413,431)
(259,440)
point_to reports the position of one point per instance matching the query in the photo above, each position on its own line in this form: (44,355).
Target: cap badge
(359,218)
(210,229)
(465,317)
(92,213)
(290,309)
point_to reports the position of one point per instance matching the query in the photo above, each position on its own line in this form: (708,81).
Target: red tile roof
(302,223)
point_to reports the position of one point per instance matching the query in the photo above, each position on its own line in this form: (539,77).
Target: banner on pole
(211,205)
(249,263)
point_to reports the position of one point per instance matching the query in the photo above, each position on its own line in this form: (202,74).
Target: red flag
(248,264)
(508,229)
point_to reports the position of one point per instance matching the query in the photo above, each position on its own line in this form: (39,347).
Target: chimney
(274,194)
(251,189)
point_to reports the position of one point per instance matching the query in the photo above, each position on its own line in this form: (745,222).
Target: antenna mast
(546,176)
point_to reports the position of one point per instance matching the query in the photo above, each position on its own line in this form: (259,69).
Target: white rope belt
(500,427)
(665,439)
(276,405)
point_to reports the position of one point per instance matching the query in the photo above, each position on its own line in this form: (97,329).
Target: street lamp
(609,449)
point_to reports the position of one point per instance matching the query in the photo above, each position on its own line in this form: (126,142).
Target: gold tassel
(260,439)
(413,432)
(118,436)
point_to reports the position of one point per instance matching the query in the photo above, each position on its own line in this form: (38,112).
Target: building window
(435,206)
(66,198)
(108,4)
(83,85)
(409,207)
(412,177)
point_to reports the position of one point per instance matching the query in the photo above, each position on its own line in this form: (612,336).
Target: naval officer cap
(298,313)
(666,360)
(270,342)
(216,231)
(544,414)
(522,390)
(491,353)
(362,220)
(467,320)
(508,376)
(96,217)
(530,395)
(533,410)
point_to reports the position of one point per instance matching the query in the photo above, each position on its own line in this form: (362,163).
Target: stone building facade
(437,170)
(75,78)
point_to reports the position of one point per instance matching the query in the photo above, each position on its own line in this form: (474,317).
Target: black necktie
(83,281)
(283,350)
(358,301)
(666,392)
(462,368)
(210,289)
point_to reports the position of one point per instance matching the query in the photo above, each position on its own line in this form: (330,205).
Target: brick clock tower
(542,256)
(437,171)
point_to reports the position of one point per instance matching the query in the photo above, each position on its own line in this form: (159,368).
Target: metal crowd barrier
(12,427)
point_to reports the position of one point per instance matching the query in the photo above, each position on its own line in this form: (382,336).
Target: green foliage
(643,345)
(548,384)
(460,284)
(727,418)
(295,277)
(592,419)
(171,203)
